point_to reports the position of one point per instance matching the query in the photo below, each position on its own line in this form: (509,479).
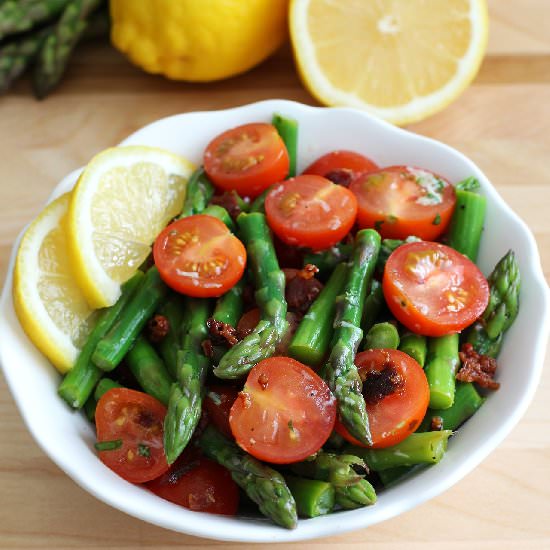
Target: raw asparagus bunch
(265,486)
(22,15)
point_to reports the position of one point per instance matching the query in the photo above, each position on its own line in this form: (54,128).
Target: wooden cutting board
(502,122)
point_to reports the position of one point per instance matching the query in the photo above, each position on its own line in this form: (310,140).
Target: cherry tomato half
(285,412)
(218,402)
(395,416)
(134,420)
(310,211)
(341,167)
(433,289)
(400,201)
(198,256)
(247,159)
(201,486)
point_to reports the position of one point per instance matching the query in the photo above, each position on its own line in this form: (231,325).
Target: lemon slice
(402,60)
(121,202)
(51,307)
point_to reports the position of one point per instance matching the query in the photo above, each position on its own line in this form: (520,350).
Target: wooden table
(502,122)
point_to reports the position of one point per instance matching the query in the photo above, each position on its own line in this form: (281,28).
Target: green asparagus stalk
(313,498)
(414,345)
(222,214)
(312,338)
(21,15)
(374,304)
(327,260)
(229,307)
(173,310)
(258,204)
(269,282)
(382,336)
(149,370)
(112,348)
(441,367)
(89,408)
(351,489)
(103,386)
(79,382)
(340,371)
(418,448)
(466,225)
(391,475)
(198,193)
(288,130)
(504,284)
(185,401)
(265,486)
(54,54)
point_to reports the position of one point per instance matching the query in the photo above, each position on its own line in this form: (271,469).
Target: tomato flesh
(198,256)
(400,201)
(136,419)
(341,167)
(310,211)
(201,485)
(432,289)
(247,159)
(285,412)
(218,402)
(397,415)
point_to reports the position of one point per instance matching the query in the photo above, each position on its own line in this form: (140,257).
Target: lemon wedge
(121,202)
(51,307)
(402,60)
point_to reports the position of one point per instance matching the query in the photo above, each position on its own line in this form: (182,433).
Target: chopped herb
(378,225)
(143,450)
(108,445)
(437,220)
(469,184)
(391,218)
(290,425)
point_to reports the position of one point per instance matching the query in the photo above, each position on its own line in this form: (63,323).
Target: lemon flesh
(400,60)
(49,304)
(122,201)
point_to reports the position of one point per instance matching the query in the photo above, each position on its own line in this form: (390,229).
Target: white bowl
(68,438)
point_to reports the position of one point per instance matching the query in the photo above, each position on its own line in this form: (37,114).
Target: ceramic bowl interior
(68,438)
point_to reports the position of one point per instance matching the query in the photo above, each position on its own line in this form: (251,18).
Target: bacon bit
(207,348)
(436,424)
(380,384)
(222,333)
(341,177)
(308,272)
(302,288)
(228,200)
(263,380)
(157,328)
(477,368)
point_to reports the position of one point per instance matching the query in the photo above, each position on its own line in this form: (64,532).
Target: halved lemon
(121,202)
(51,307)
(402,60)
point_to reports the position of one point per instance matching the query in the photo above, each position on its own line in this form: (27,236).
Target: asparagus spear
(340,370)
(312,338)
(414,345)
(21,15)
(270,296)
(288,130)
(173,310)
(313,498)
(79,382)
(229,307)
(265,486)
(382,336)
(103,386)
(185,401)
(198,193)
(149,370)
(327,260)
(374,304)
(222,214)
(112,348)
(351,490)
(59,44)
(504,283)
(441,367)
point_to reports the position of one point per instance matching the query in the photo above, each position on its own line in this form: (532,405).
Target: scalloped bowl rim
(69,441)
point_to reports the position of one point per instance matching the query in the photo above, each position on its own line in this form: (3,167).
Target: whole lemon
(198,40)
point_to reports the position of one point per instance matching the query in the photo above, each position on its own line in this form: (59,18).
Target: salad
(296,343)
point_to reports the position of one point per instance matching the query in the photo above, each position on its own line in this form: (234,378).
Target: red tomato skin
(285,412)
(418,315)
(177,263)
(389,203)
(201,485)
(349,161)
(298,220)
(218,402)
(259,159)
(413,397)
(144,418)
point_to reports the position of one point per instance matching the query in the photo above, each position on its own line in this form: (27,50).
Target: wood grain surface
(502,122)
